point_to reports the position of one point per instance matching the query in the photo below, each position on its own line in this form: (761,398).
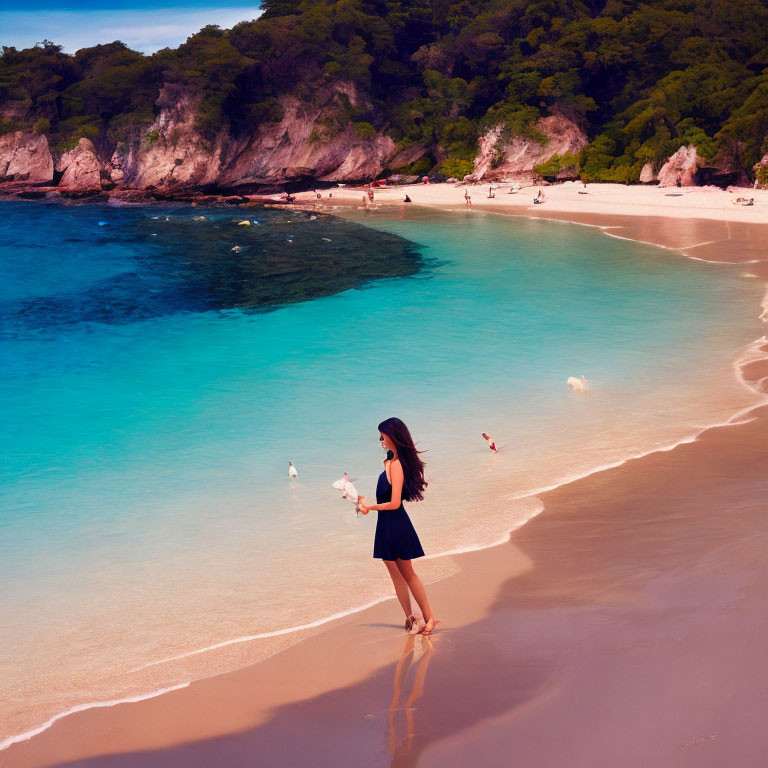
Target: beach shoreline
(571,199)
(727,239)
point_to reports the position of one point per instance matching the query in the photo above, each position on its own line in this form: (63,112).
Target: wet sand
(625,625)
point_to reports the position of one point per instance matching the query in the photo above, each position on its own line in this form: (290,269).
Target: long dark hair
(413,467)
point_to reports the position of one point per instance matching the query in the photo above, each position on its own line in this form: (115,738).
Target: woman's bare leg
(401,588)
(417,590)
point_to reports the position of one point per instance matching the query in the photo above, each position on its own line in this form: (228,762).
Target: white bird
(577,384)
(292,472)
(339,484)
(348,491)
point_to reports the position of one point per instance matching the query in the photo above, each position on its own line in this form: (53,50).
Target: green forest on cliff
(642,78)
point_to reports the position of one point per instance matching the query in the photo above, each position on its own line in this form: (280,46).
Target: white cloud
(146,31)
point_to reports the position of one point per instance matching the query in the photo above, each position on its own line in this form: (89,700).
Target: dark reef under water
(165,260)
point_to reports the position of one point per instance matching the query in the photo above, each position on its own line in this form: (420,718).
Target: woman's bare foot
(410,622)
(429,627)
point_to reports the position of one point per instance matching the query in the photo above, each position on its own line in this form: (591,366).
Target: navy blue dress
(396,537)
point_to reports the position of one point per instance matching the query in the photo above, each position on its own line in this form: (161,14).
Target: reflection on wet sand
(415,658)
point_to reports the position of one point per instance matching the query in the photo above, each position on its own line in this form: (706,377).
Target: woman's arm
(396,479)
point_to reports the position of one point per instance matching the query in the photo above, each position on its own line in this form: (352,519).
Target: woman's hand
(364,508)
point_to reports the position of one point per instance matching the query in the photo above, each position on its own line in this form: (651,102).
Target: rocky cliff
(683,166)
(25,157)
(80,168)
(173,154)
(761,172)
(647,175)
(516,157)
(170,154)
(309,143)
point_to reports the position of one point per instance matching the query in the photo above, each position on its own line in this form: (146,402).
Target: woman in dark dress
(396,542)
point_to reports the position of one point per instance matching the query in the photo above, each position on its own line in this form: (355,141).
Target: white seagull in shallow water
(292,472)
(348,491)
(339,484)
(577,384)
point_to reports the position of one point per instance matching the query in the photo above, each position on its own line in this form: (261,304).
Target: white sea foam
(522,519)
(764,306)
(734,263)
(265,635)
(82,708)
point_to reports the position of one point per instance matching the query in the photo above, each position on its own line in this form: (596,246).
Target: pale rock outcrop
(486,152)
(762,163)
(294,148)
(362,159)
(683,165)
(115,168)
(647,175)
(25,157)
(517,157)
(80,167)
(171,152)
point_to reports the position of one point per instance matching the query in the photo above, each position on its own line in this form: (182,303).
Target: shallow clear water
(150,408)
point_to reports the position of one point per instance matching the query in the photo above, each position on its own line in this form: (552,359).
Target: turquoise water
(151,402)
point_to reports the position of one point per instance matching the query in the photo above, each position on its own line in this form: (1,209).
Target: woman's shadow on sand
(384,721)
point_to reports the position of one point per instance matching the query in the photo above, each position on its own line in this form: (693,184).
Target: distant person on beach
(396,541)
(491,193)
(365,202)
(467,198)
(679,182)
(407,199)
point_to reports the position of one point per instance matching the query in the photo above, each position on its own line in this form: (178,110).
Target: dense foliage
(642,77)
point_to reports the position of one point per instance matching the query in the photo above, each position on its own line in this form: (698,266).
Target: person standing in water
(396,541)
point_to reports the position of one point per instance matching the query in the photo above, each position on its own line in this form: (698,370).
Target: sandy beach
(571,200)
(624,625)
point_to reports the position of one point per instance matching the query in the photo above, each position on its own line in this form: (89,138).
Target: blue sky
(142,24)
